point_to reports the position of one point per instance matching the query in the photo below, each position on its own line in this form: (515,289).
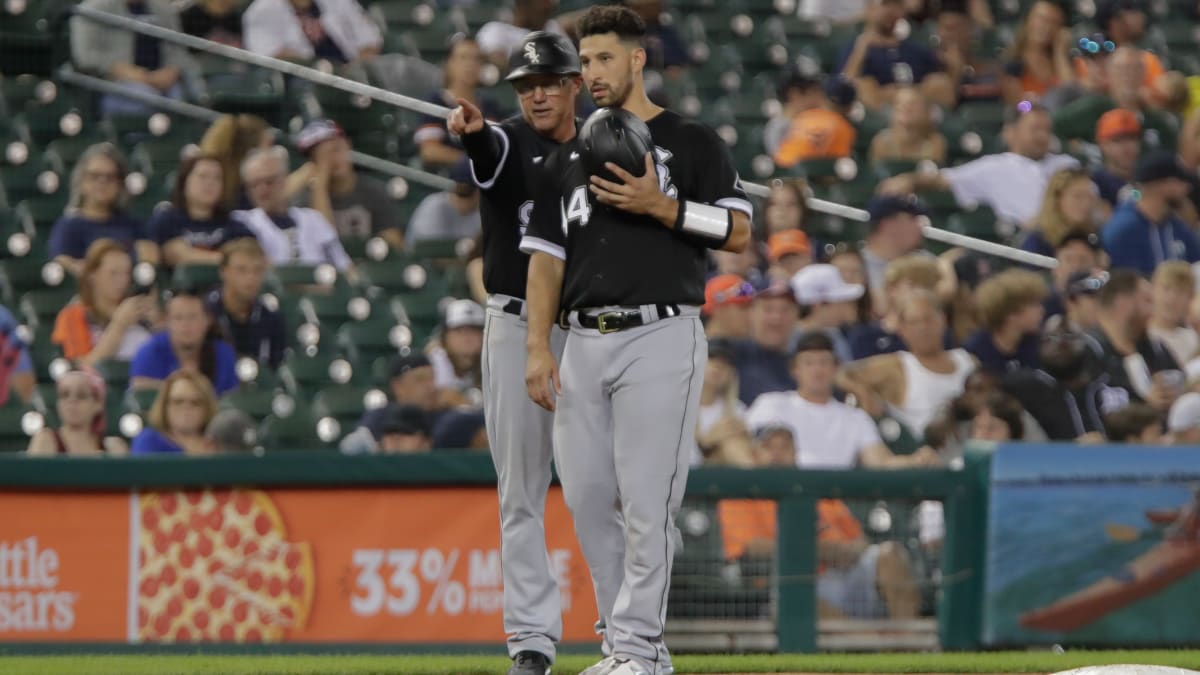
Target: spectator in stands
(1124,23)
(796,92)
(288,234)
(1119,135)
(451,214)
(194,228)
(902,276)
(1183,422)
(337,31)
(232,432)
(912,136)
(404,430)
(974,416)
(1040,58)
(358,205)
(439,148)
(96,210)
(1010,304)
(815,130)
(16,366)
(1078,255)
(106,320)
(999,420)
(978,78)
(849,262)
(79,401)
(786,207)
(726,308)
(1147,232)
(229,139)
(854,578)
(1135,423)
(498,38)
(216,20)
(961,274)
(894,231)
(190,343)
(762,359)
(1125,71)
(1069,205)
(721,434)
(828,305)
(412,387)
(1068,395)
(1010,183)
(832,434)
(456,355)
(1174,287)
(180,414)
(879,62)
(913,384)
(788,252)
(255,330)
(1083,300)
(137,62)
(461,430)
(1134,360)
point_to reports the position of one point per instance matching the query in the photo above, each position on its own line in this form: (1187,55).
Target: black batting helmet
(543,53)
(614,135)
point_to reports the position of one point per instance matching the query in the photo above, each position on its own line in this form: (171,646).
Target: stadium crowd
(1072,134)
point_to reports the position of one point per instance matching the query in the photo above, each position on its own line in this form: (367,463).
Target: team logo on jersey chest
(661,156)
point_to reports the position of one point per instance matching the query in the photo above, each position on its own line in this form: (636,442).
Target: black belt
(514,307)
(615,320)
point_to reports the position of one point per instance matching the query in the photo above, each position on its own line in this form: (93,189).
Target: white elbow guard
(709,222)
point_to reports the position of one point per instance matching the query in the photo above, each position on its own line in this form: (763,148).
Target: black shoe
(530,663)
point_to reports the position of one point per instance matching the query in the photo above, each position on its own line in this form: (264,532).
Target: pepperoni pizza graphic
(217,566)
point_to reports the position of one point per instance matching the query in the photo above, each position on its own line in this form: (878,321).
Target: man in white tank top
(911,385)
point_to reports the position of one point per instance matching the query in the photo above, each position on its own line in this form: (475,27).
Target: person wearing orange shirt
(817,130)
(854,578)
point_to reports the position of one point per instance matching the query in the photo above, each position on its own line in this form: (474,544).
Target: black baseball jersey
(507,200)
(617,258)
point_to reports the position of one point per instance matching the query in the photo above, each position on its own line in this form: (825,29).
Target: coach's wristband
(708,222)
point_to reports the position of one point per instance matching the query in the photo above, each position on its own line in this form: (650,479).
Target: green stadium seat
(40,307)
(13,426)
(63,152)
(256,91)
(140,400)
(296,432)
(158,156)
(367,341)
(196,276)
(20,275)
(302,373)
(43,352)
(15,236)
(115,373)
(31,179)
(256,400)
(979,223)
(42,211)
(154,197)
(435,248)
(345,403)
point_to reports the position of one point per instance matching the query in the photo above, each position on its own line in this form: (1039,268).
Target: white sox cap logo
(531,54)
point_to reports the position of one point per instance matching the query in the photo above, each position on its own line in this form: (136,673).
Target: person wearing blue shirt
(178,420)
(195,226)
(96,211)
(190,343)
(1010,308)
(762,360)
(878,61)
(16,367)
(1145,232)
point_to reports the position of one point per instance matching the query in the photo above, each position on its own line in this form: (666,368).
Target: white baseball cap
(1185,413)
(464,313)
(817,284)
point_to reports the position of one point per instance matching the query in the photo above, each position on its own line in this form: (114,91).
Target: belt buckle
(603,319)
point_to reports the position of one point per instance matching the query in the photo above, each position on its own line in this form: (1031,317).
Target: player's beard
(618,97)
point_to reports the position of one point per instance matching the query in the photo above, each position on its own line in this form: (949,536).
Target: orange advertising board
(385,565)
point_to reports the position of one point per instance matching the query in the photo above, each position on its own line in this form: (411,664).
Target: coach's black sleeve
(547,231)
(487,149)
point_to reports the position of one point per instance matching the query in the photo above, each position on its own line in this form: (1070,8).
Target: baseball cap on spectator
(770,429)
(971,269)
(797,78)
(1086,283)
(1091,239)
(1184,414)
(406,362)
(464,314)
(726,289)
(788,242)
(885,206)
(840,91)
(403,419)
(1161,165)
(232,430)
(457,430)
(820,284)
(317,132)
(1118,123)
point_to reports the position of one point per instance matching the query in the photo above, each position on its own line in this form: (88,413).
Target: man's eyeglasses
(525,87)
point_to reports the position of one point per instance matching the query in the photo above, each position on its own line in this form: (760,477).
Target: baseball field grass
(351,664)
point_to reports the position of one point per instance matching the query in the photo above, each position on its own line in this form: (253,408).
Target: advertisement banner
(419,565)
(1095,545)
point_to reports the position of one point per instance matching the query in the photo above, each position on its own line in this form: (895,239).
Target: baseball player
(622,263)
(505,160)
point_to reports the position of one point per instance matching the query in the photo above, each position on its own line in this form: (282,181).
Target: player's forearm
(485,150)
(702,223)
(542,293)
